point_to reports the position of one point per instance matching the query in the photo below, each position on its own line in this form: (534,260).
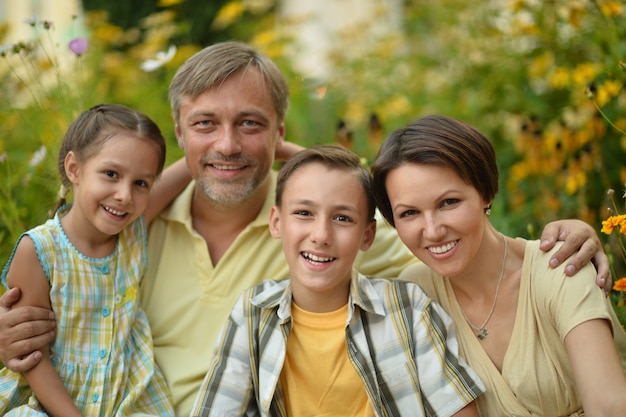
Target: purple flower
(78,45)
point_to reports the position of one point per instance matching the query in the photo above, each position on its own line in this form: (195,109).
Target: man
(229,104)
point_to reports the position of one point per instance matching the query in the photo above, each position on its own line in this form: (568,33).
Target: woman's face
(438,216)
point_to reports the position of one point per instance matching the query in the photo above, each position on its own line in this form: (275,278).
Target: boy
(301,346)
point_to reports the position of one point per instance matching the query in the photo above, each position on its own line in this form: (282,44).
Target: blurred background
(544,80)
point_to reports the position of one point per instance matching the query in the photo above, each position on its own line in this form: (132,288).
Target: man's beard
(230,193)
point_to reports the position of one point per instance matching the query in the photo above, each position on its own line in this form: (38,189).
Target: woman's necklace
(483,332)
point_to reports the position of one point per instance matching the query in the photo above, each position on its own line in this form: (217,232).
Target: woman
(544,344)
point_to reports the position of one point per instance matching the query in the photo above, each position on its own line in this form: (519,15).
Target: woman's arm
(600,379)
(172,182)
(581,240)
(26,273)
(469,410)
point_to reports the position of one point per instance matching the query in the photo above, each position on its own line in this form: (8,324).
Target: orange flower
(612,222)
(620,284)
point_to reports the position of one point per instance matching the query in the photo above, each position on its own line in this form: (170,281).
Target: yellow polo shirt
(188,299)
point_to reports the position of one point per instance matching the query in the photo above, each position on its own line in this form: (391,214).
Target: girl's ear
(72,167)
(275,222)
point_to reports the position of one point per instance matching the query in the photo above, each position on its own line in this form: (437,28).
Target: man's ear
(369,235)
(72,167)
(275,222)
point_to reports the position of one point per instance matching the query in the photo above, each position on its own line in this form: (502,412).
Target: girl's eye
(110,173)
(142,183)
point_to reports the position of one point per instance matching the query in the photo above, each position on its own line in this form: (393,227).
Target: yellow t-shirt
(187,299)
(318,378)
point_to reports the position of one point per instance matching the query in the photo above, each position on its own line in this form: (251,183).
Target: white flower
(161,59)
(38,156)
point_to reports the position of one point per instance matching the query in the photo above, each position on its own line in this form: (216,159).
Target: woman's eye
(449,202)
(408,213)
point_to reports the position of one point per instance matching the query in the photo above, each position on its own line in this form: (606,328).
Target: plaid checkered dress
(103,348)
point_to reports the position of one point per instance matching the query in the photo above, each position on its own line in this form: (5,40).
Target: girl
(543,346)
(86,264)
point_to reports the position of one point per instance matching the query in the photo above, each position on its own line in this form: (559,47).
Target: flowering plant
(615,226)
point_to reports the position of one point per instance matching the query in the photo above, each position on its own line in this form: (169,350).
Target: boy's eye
(343,218)
(302,213)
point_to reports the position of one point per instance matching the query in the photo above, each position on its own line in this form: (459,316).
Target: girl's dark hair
(437,140)
(87,134)
(332,156)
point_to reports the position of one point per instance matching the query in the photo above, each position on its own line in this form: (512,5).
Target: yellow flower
(620,284)
(228,14)
(612,222)
(611,8)
(585,73)
(559,78)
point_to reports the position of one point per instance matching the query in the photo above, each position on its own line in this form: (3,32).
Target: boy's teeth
(315,258)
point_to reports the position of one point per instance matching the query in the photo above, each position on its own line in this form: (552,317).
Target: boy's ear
(72,167)
(275,222)
(369,235)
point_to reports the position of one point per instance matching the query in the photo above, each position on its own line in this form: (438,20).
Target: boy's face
(323,223)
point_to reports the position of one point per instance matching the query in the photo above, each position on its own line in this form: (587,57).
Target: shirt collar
(362,294)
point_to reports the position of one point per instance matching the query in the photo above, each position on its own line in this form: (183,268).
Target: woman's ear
(275,222)
(72,167)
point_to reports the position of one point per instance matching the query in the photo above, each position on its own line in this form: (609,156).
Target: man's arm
(582,241)
(23,331)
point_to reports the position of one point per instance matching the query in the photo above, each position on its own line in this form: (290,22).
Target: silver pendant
(482,334)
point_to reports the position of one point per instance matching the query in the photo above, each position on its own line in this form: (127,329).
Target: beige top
(536,379)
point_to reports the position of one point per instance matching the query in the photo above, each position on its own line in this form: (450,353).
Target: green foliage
(531,75)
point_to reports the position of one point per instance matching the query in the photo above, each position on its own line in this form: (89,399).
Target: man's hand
(580,239)
(22,332)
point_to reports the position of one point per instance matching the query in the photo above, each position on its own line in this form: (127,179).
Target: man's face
(229,134)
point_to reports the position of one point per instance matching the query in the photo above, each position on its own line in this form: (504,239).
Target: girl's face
(112,187)
(438,216)
(323,222)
